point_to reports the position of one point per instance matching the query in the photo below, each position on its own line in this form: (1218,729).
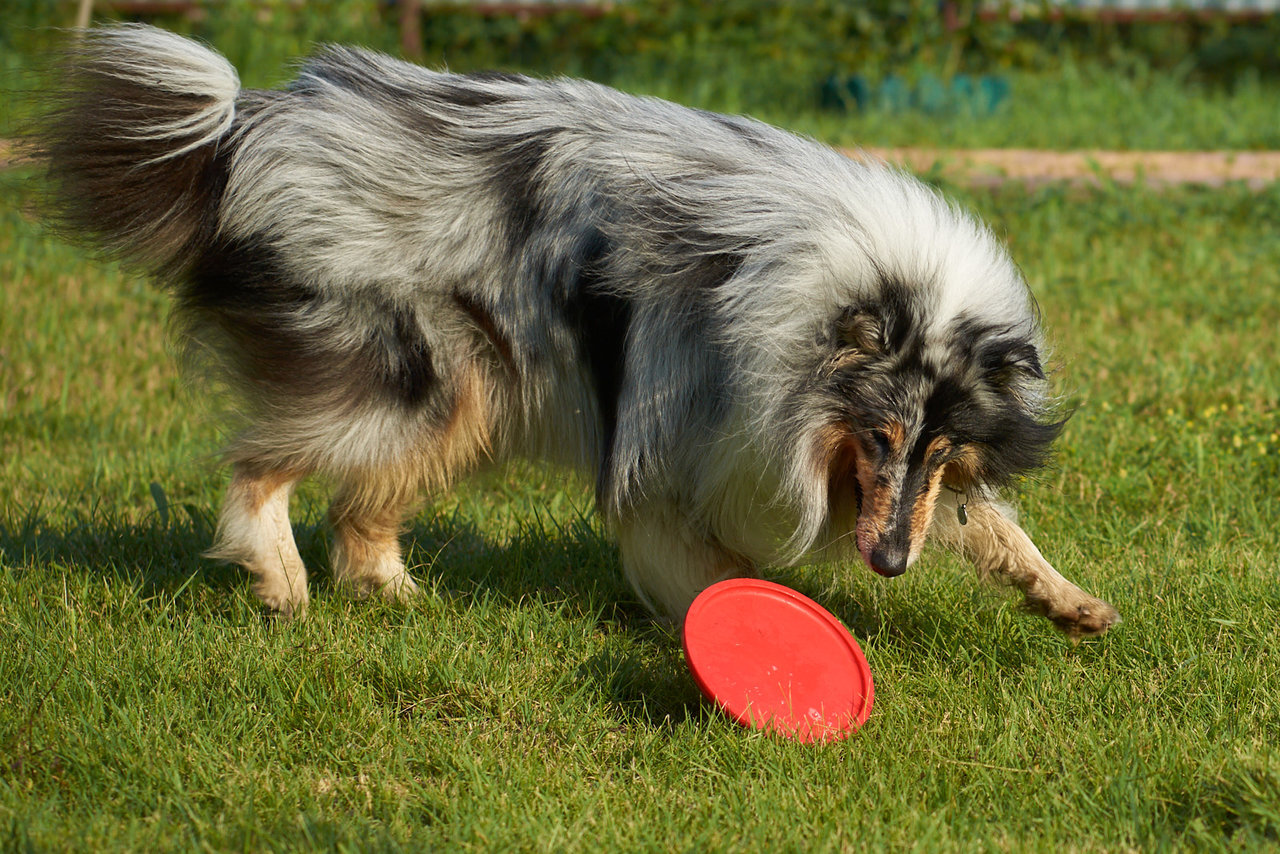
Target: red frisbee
(776,660)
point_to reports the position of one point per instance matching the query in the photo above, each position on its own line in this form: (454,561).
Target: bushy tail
(130,138)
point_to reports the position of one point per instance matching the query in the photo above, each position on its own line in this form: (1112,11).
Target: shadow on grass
(153,556)
(648,681)
(571,566)
(556,562)
(572,563)
(1233,806)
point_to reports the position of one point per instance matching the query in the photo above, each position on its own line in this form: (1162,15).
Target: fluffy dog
(761,349)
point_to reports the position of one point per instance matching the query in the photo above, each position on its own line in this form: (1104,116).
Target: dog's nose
(889,561)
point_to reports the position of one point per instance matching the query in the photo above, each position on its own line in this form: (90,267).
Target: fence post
(84,14)
(410,28)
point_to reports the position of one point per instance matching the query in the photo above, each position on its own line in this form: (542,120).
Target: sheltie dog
(762,350)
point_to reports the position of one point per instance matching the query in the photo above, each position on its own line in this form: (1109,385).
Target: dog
(763,351)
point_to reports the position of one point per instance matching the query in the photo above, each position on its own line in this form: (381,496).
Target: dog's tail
(130,137)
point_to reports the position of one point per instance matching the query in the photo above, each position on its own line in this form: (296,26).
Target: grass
(1074,107)
(526,703)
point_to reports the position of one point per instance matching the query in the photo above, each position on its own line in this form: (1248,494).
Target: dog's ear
(860,330)
(1013,364)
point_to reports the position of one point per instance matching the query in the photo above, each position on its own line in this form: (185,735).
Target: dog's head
(911,405)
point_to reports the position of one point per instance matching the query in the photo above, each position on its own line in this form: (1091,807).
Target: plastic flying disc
(775,660)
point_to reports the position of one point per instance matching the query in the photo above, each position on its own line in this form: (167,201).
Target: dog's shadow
(572,567)
(163,554)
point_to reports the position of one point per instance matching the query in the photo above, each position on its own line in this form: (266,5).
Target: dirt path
(992,166)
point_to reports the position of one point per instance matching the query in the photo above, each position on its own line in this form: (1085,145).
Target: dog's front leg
(1000,549)
(669,561)
(253,531)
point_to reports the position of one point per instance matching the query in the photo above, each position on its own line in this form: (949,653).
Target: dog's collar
(960,511)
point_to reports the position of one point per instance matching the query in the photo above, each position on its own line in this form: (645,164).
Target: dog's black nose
(889,561)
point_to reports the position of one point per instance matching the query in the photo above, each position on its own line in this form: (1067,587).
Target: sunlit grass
(527,703)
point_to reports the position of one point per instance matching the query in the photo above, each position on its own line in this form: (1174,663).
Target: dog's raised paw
(1077,617)
(1085,619)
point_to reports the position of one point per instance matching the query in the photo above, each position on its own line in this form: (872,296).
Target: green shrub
(772,48)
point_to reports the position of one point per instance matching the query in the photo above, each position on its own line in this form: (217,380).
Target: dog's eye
(880,442)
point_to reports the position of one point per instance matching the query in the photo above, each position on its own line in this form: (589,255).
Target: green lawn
(527,703)
(1082,106)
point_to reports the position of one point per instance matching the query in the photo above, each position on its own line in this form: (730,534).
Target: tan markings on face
(962,471)
(896,433)
(827,443)
(924,503)
(877,506)
(922,511)
(836,463)
(879,497)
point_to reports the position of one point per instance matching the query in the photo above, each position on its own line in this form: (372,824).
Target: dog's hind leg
(367,515)
(373,501)
(669,563)
(253,531)
(1000,549)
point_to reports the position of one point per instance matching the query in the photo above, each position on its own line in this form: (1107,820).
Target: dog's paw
(397,588)
(400,590)
(282,602)
(1077,617)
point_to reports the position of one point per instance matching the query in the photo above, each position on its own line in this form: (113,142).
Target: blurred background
(1116,74)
